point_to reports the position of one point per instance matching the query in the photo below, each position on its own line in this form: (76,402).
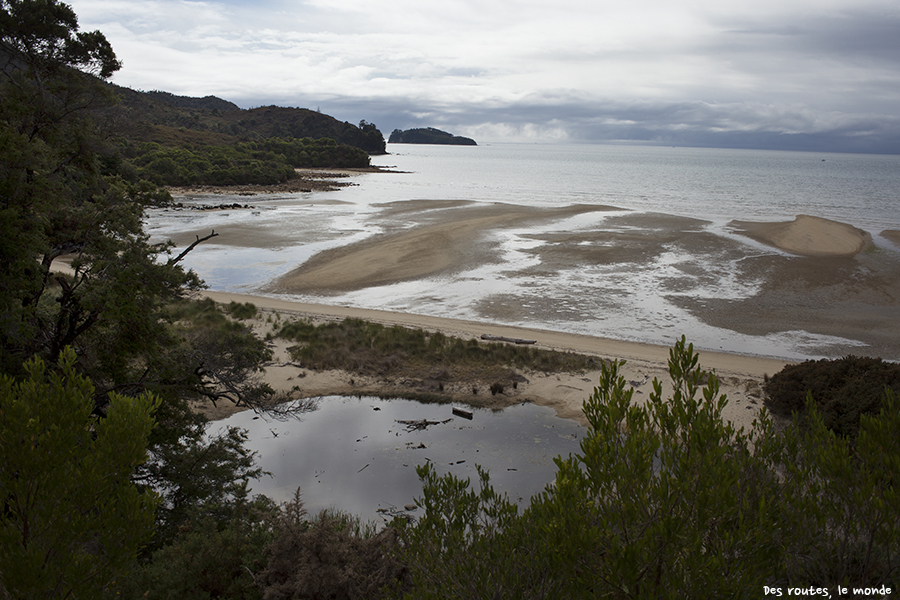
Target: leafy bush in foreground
(332,556)
(666,500)
(71,519)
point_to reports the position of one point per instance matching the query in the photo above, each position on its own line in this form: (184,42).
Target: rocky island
(428,135)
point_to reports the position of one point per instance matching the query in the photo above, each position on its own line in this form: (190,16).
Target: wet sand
(822,277)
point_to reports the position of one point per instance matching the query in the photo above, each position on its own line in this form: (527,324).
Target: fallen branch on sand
(499,338)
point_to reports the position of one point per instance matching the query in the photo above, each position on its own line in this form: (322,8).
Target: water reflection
(352,454)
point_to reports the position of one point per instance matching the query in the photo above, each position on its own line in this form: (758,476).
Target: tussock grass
(247,310)
(369,348)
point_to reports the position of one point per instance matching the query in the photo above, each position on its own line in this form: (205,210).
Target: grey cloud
(676,123)
(848,35)
(797,80)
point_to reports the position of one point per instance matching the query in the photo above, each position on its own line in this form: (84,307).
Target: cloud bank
(792,74)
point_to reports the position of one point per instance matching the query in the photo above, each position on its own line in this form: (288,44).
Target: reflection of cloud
(647,70)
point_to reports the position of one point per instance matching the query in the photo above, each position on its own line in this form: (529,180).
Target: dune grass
(369,348)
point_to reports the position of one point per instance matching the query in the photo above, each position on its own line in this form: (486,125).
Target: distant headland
(428,135)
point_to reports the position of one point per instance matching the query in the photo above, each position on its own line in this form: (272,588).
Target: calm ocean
(625,300)
(715,184)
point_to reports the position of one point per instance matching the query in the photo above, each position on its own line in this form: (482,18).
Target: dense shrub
(246,310)
(265,162)
(205,561)
(842,389)
(331,557)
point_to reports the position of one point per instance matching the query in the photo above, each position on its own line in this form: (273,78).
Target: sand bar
(808,236)
(456,241)
(826,278)
(565,392)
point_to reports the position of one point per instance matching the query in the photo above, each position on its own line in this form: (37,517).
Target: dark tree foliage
(206,103)
(71,520)
(43,36)
(78,271)
(264,162)
(56,202)
(842,389)
(331,556)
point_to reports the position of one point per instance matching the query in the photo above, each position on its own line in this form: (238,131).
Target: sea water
(716,184)
(625,300)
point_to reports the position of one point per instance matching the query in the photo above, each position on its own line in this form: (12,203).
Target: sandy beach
(821,276)
(741,376)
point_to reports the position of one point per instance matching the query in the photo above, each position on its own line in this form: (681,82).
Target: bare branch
(199,240)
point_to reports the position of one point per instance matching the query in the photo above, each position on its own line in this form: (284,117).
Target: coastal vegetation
(428,135)
(112,486)
(428,361)
(666,499)
(842,390)
(171,120)
(179,141)
(264,162)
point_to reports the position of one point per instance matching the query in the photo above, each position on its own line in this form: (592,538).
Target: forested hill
(171,120)
(205,103)
(429,135)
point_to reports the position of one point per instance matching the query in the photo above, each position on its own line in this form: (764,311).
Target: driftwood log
(462,412)
(499,338)
(420,424)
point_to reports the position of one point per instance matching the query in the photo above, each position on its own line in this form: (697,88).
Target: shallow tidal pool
(355,454)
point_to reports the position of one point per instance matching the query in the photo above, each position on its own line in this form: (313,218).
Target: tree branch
(199,240)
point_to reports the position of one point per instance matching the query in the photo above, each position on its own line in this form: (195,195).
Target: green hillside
(182,141)
(151,117)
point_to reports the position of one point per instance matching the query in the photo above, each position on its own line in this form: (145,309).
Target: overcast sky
(796,74)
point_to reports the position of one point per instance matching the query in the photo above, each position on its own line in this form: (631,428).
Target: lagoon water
(633,300)
(352,453)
